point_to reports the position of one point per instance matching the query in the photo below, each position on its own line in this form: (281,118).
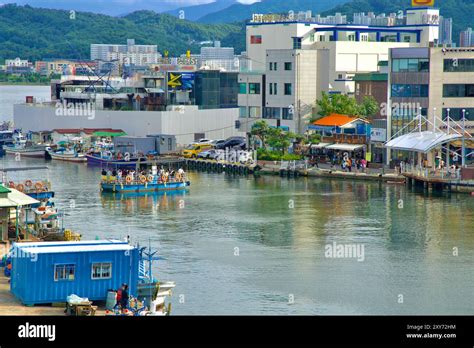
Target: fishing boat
(24,147)
(68,155)
(107,159)
(150,183)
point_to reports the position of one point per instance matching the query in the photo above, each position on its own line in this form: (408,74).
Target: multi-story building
(445,31)
(65,66)
(18,66)
(291,62)
(125,54)
(219,58)
(433,81)
(466,38)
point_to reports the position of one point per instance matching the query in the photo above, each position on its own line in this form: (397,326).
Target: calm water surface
(11,94)
(281,228)
(251,245)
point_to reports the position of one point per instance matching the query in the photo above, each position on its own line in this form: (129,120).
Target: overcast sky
(115,7)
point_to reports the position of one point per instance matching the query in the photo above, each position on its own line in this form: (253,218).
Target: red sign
(256,39)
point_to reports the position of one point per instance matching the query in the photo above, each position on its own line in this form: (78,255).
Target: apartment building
(291,62)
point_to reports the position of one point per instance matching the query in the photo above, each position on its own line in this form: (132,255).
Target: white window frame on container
(65,272)
(101,264)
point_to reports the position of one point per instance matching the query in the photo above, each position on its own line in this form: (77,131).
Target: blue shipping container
(48,272)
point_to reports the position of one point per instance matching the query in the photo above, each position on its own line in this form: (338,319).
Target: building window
(273,88)
(273,113)
(409,91)
(287,88)
(287,113)
(458,65)
(322,38)
(170,144)
(256,39)
(456,114)
(101,270)
(254,88)
(311,37)
(458,90)
(64,272)
(296,43)
(410,65)
(243,112)
(242,88)
(254,111)
(288,66)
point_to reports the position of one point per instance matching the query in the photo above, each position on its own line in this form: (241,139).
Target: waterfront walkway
(10,305)
(328,171)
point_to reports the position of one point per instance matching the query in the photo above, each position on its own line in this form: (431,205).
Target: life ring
(178,177)
(20,187)
(38,186)
(128,179)
(28,183)
(11,184)
(150,178)
(142,179)
(164,177)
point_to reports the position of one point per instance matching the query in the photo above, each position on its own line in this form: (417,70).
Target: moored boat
(23,147)
(68,155)
(150,183)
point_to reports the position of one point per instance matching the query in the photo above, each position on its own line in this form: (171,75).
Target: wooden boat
(68,155)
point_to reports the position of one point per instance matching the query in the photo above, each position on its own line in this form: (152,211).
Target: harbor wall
(214,123)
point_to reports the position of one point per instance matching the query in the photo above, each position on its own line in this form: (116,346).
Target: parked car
(193,150)
(238,143)
(217,142)
(210,154)
(203,141)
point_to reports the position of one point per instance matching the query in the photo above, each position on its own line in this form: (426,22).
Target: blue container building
(48,272)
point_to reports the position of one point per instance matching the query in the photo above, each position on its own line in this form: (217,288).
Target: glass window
(102,270)
(403,64)
(242,111)
(287,88)
(412,64)
(64,272)
(423,65)
(458,90)
(254,111)
(409,91)
(395,65)
(288,66)
(254,88)
(287,113)
(296,43)
(458,65)
(242,88)
(270,85)
(273,113)
(456,114)
(311,37)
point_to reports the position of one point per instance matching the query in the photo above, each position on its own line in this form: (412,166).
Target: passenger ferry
(144,183)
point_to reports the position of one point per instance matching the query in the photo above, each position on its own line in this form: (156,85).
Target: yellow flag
(417,3)
(188,53)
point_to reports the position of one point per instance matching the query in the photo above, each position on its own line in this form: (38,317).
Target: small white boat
(69,155)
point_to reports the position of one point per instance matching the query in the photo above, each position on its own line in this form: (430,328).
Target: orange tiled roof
(335,120)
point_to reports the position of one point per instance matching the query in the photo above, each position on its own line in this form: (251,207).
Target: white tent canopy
(421,141)
(320,145)
(345,147)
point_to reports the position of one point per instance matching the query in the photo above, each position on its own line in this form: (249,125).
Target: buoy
(128,179)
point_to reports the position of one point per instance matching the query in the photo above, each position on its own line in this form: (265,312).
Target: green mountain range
(35,33)
(240,12)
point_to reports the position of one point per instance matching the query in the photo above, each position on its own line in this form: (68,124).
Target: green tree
(260,130)
(346,105)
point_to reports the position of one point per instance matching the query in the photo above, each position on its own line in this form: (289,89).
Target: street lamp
(463,148)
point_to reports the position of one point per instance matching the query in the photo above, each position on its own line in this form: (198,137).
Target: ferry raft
(150,183)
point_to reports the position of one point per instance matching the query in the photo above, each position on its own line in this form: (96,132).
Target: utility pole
(463,148)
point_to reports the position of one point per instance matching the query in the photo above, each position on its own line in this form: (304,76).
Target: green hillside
(34,33)
(241,12)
